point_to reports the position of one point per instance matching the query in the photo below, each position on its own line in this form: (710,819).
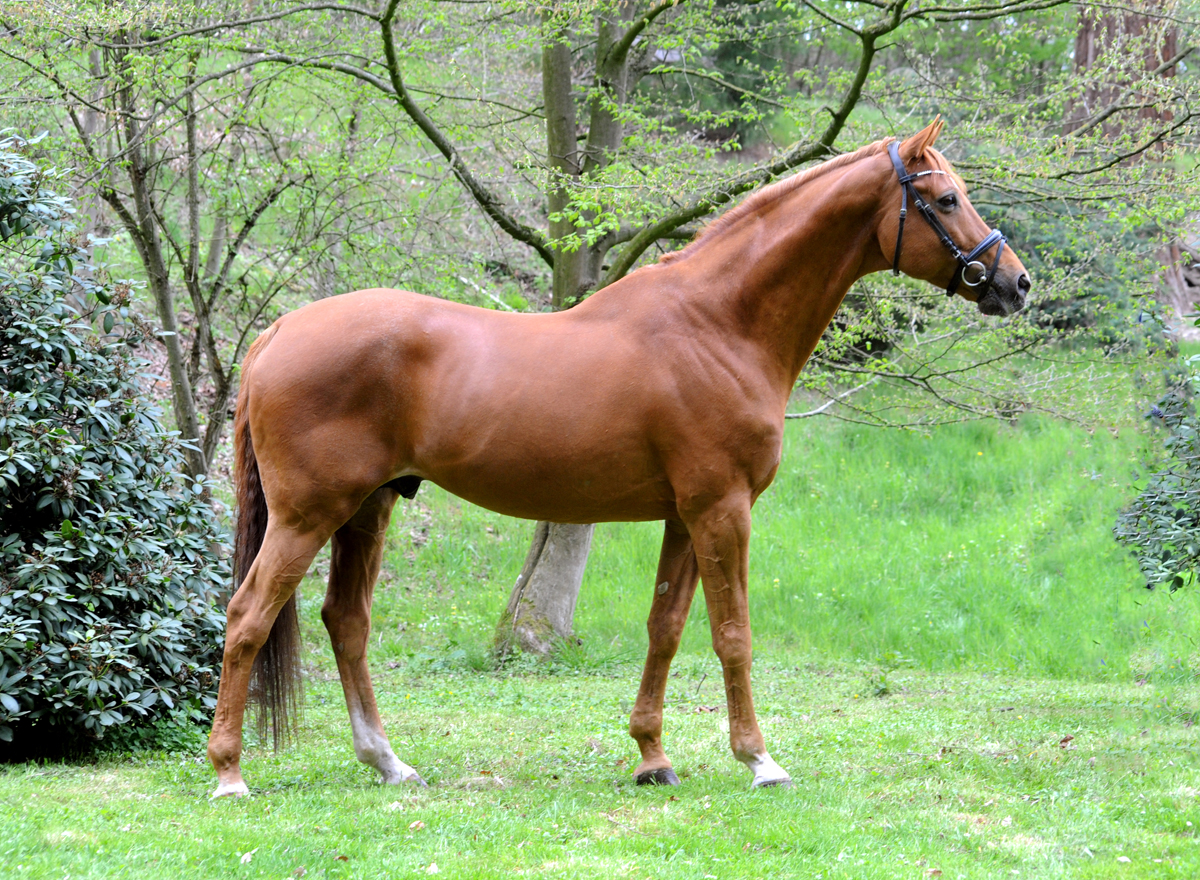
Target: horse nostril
(1023,283)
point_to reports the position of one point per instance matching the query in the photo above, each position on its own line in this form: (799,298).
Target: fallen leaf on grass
(1065,742)
(416,826)
(934,872)
(1124,859)
(300,872)
(433,868)
(707,708)
(341,858)
(247,858)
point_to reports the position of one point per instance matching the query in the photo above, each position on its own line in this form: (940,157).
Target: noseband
(968,266)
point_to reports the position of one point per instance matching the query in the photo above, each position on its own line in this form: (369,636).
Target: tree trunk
(149,246)
(542,606)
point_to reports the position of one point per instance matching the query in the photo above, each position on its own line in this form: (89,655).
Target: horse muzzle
(1005,297)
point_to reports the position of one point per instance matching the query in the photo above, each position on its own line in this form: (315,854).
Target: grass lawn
(971,775)
(955,662)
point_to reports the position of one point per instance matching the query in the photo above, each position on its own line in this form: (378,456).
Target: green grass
(931,625)
(530,775)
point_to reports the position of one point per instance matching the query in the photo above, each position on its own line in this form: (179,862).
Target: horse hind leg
(356,555)
(281,562)
(675,587)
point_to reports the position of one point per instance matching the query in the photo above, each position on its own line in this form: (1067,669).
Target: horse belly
(563,481)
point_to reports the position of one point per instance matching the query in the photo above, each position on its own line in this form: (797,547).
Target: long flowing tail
(275,682)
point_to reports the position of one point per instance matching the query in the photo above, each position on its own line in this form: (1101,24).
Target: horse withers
(661,397)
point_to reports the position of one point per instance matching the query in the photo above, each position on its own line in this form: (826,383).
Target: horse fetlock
(401,774)
(376,754)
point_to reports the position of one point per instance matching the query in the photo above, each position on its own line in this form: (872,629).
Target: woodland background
(953,654)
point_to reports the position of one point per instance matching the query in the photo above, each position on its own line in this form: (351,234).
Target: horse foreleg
(721,536)
(282,561)
(356,555)
(675,587)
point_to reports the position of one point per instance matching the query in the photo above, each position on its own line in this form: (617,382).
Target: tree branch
(1120,103)
(483,197)
(715,78)
(620,49)
(237,23)
(798,155)
(835,399)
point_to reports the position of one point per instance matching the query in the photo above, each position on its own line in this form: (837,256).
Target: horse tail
(275,679)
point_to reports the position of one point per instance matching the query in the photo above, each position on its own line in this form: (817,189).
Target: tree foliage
(111,560)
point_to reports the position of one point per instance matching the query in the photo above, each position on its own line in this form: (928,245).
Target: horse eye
(948,201)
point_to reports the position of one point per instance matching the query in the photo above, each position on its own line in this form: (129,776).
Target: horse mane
(771,193)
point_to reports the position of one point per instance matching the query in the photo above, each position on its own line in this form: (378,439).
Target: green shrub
(112,563)
(1162,524)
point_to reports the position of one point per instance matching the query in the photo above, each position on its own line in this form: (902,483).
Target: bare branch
(486,200)
(835,399)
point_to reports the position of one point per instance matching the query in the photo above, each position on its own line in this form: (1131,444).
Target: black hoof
(665,776)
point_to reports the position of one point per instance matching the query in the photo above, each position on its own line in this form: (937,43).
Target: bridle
(970,271)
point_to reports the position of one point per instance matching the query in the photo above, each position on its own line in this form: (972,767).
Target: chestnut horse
(661,397)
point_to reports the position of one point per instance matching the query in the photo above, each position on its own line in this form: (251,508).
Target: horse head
(948,244)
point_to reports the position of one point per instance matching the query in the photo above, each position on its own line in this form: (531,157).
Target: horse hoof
(416,780)
(663,776)
(773,783)
(231,789)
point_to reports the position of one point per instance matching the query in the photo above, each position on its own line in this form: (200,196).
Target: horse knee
(644,724)
(733,649)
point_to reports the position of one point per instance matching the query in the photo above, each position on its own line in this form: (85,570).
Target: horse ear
(914,147)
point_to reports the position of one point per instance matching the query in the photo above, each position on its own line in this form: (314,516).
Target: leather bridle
(970,271)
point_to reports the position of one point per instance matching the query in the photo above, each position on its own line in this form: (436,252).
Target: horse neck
(784,270)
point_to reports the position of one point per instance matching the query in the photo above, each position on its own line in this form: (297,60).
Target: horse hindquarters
(262,629)
(356,555)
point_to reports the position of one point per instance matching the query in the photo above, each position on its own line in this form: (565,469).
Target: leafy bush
(1162,525)
(111,560)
